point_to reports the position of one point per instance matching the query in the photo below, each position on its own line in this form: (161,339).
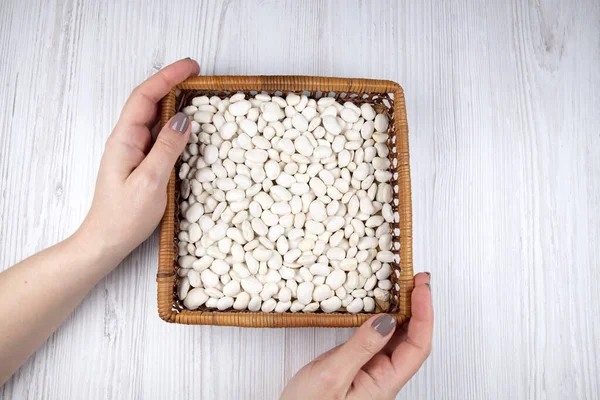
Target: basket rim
(289,83)
(166,276)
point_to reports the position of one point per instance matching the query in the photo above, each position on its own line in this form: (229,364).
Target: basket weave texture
(387,96)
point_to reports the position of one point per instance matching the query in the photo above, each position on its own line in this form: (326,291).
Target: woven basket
(388,97)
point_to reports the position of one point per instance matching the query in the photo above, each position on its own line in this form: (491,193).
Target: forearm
(39,293)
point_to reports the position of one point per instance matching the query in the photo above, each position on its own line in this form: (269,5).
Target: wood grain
(504,118)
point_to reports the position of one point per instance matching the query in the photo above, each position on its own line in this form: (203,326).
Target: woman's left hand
(130,195)
(129,201)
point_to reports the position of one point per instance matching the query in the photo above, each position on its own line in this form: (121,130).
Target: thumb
(169,145)
(368,340)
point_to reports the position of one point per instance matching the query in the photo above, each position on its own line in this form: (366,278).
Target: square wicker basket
(388,97)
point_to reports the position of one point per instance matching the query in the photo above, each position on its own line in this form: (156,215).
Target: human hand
(130,195)
(376,362)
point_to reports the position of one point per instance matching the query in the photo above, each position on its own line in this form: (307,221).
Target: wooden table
(504,114)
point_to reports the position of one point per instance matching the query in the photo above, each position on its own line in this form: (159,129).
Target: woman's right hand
(376,362)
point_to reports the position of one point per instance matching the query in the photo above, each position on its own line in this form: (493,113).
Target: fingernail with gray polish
(180,122)
(384,324)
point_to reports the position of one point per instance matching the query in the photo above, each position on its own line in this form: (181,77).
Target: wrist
(98,253)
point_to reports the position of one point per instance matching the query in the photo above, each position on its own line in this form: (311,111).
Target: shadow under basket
(386,96)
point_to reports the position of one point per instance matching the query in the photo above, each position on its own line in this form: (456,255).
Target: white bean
(251,285)
(381,123)
(269,305)
(331,305)
(282,306)
(241,301)
(195,298)
(312,307)
(305,292)
(368,304)
(297,306)
(355,306)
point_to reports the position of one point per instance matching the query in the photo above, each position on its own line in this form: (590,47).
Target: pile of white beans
(285,206)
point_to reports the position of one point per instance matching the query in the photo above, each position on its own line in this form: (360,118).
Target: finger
(401,331)
(410,354)
(169,144)
(422,277)
(326,354)
(367,341)
(121,157)
(141,107)
(398,337)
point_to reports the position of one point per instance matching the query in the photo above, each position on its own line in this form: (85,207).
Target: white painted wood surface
(503,102)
